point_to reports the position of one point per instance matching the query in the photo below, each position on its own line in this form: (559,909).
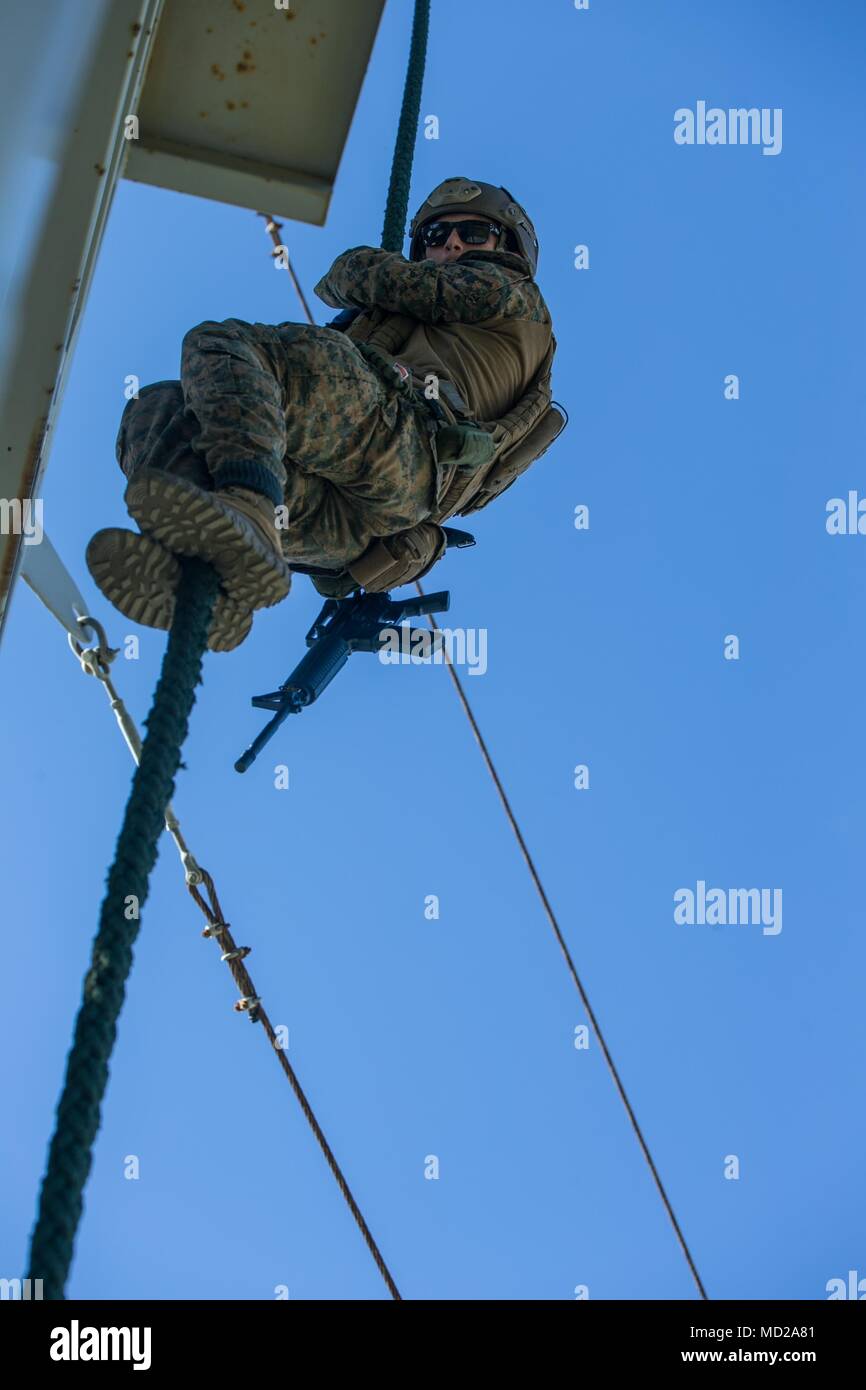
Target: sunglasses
(470,233)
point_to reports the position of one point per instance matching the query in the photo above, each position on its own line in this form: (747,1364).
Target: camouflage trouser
(296,411)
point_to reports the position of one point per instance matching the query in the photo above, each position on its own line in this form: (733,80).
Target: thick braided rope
(396,209)
(78,1112)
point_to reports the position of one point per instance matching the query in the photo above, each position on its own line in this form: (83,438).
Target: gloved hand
(398,559)
(334,586)
(343,319)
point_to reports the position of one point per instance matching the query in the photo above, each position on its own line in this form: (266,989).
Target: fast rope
(70,1154)
(78,1112)
(397,206)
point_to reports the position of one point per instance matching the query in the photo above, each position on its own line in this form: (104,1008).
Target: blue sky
(605,647)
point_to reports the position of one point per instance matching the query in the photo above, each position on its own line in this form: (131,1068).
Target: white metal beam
(251,103)
(84,72)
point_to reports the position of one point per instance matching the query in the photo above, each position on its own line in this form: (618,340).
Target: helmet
(456,196)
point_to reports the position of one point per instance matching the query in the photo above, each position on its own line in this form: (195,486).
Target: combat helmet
(454,196)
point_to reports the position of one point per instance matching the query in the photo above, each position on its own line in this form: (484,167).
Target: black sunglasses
(470,233)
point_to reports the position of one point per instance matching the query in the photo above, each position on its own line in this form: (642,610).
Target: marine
(340,451)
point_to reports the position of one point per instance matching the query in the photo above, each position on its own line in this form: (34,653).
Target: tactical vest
(517,440)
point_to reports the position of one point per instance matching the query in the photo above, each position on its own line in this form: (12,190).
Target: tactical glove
(400,558)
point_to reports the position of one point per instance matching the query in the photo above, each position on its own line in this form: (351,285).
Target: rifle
(344,626)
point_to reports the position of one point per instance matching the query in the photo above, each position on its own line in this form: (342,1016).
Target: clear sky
(605,647)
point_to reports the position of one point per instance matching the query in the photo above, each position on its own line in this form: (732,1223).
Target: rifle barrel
(248,758)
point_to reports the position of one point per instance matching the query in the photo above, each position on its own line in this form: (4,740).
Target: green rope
(78,1113)
(397,206)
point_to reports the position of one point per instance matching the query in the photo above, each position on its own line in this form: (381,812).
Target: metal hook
(100,656)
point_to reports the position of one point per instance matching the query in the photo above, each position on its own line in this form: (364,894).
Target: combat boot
(234,529)
(140,577)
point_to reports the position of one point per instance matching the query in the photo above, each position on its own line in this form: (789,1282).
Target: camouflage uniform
(318,418)
(303,409)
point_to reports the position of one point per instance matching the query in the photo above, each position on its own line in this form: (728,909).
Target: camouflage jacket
(475,334)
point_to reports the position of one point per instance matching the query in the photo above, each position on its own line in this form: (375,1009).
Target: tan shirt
(479,322)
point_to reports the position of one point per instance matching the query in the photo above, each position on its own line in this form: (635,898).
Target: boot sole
(140,578)
(190,521)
